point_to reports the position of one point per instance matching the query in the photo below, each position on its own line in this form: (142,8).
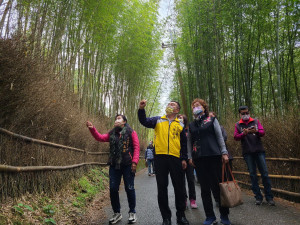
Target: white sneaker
(132,218)
(116,218)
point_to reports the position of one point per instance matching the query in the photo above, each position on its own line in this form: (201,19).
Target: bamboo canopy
(16,169)
(271,175)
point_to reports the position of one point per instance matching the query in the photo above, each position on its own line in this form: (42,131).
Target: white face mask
(180,120)
(246,117)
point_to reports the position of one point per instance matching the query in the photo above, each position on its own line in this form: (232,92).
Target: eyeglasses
(244,113)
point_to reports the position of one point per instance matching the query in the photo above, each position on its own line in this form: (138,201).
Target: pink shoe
(193,204)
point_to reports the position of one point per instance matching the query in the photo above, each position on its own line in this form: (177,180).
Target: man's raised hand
(143,103)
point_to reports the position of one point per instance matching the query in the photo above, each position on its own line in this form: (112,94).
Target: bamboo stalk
(14,169)
(275,159)
(271,175)
(294,194)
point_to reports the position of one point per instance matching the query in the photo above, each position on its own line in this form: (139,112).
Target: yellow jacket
(170,138)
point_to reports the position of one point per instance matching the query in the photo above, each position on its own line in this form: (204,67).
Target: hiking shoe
(116,218)
(225,220)
(210,220)
(182,221)
(258,201)
(271,202)
(193,204)
(132,218)
(166,222)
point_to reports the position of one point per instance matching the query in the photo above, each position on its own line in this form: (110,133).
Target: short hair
(123,117)
(203,103)
(179,107)
(243,107)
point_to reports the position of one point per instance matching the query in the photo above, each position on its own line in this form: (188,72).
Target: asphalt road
(247,214)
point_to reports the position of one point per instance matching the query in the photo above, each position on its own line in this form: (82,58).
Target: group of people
(181,147)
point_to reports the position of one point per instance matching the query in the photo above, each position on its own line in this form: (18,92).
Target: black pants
(165,164)
(189,174)
(209,173)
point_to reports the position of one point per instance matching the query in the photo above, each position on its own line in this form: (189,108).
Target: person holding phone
(249,131)
(123,159)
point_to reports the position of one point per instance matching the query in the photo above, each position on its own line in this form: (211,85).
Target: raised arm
(96,134)
(149,122)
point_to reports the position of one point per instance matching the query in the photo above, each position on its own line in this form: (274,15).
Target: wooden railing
(291,178)
(9,168)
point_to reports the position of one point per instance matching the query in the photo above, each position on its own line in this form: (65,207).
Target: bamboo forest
(70,66)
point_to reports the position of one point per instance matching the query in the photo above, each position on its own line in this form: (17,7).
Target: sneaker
(271,202)
(193,204)
(258,201)
(210,220)
(149,174)
(132,218)
(225,220)
(116,218)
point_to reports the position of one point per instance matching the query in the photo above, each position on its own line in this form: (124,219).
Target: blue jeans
(258,159)
(150,162)
(114,184)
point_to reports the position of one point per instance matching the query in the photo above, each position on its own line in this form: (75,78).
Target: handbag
(230,192)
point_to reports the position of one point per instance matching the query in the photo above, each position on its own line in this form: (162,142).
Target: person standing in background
(149,158)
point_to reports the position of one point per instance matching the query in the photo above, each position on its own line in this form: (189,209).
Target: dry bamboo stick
(4,131)
(275,159)
(294,194)
(33,140)
(7,168)
(271,175)
(98,153)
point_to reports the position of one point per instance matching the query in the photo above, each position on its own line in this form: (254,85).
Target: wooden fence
(31,165)
(283,172)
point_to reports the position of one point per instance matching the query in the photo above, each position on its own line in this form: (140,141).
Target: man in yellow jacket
(170,157)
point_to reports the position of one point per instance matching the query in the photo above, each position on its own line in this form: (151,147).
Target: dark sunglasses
(244,113)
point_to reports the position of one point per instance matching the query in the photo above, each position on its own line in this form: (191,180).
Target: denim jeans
(114,184)
(258,159)
(150,163)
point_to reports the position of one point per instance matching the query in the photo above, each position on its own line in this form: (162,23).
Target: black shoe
(271,202)
(166,222)
(182,221)
(258,201)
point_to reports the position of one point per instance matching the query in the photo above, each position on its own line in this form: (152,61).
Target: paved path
(247,214)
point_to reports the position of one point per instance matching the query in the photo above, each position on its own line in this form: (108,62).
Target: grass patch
(65,207)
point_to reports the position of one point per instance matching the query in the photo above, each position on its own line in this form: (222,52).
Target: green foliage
(88,186)
(240,52)
(20,207)
(49,209)
(49,221)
